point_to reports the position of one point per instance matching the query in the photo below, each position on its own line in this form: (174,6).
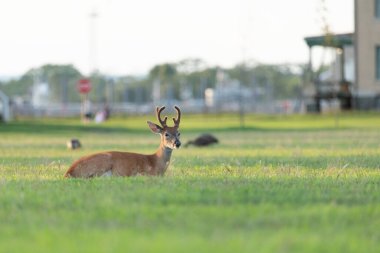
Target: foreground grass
(279,185)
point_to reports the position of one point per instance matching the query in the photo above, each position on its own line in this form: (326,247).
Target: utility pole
(93,42)
(243,69)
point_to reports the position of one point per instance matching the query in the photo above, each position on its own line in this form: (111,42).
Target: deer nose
(177,143)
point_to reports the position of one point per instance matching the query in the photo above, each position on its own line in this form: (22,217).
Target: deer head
(169,135)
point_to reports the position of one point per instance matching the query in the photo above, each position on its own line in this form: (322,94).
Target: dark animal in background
(203,140)
(73,144)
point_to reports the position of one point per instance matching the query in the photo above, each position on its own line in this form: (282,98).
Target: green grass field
(281,184)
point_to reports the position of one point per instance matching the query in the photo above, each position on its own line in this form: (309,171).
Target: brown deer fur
(115,163)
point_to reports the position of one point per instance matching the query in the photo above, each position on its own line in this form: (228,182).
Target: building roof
(334,40)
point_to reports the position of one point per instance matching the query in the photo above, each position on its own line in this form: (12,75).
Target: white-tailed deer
(114,163)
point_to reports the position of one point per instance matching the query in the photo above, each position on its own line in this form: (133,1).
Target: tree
(62,81)
(165,74)
(18,87)
(282,79)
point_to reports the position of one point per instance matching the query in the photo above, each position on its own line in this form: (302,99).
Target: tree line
(186,79)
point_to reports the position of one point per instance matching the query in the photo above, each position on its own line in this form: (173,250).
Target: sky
(130,37)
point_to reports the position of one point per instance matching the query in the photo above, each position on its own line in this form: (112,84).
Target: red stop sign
(84,85)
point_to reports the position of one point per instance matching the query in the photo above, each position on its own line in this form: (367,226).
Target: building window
(378,62)
(377,9)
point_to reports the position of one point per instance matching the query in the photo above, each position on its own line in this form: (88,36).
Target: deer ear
(155,128)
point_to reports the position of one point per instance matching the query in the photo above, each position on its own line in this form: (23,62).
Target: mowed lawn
(280,184)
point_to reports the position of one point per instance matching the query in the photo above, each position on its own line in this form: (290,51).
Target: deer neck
(163,155)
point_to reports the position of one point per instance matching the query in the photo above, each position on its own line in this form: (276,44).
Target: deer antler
(162,122)
(178,120)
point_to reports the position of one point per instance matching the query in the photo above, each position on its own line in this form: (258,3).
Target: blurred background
(64,58)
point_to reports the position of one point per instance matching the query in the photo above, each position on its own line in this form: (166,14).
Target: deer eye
(178,134)
(166,135)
